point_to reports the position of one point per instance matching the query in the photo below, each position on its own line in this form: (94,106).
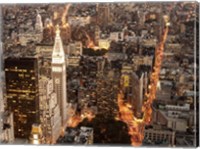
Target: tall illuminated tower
(59,75)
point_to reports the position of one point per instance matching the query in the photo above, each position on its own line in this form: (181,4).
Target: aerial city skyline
(99,73)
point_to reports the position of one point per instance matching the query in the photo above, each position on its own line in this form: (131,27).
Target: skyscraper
(6,127)
(97,35)
(137,93)
(39,28)
(50,118)
(59,75)
(1,53)
(22,93)
(39,24)
(1,80)
(103,17)
(126,81)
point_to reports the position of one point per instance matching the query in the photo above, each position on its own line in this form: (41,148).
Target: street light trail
(136,126)
(78,118)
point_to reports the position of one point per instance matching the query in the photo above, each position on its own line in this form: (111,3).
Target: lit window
(27,75)
(21,75)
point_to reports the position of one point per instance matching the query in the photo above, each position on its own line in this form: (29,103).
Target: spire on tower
(38,24)
(59,75)
(57,30)
(58,55)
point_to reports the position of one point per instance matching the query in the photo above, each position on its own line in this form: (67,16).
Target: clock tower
(59,75)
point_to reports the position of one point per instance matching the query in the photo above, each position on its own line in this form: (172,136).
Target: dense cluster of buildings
(48,79)
(82,136)
(34,98)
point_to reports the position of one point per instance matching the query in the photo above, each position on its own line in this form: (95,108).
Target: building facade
(22,93)
(103,14)
(39,24)
(32,34)
(49,111)
(161,136)
(59,76)
(137,93)
(36,136)
(1,80)
(126,82)
(6,127)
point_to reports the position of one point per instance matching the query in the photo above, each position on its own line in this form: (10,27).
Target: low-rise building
(160,136)
(77,20)
(86,136)
(104,43)
(73,61)
(75,49)
(142,60)
(36,136)
(172,119)
(6,128)
(82,135)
